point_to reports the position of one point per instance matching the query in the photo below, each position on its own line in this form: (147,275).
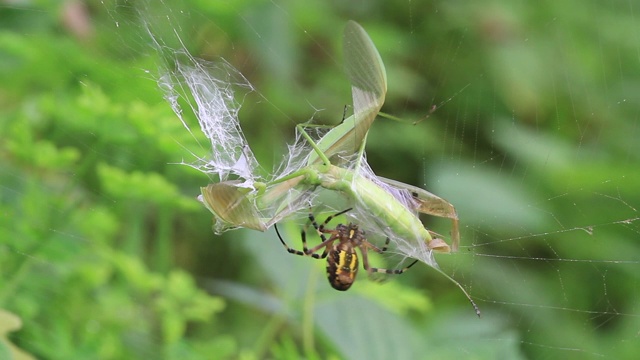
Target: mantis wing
(231,206)
(431,204)
(368,87)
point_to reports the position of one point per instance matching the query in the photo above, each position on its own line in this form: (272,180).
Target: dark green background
(104,252)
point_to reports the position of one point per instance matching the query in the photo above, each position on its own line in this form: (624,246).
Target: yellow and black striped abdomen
(342,266)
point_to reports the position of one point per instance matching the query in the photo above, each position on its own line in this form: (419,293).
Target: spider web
(533,139)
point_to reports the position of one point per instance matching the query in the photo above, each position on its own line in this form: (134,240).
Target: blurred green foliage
(105,253)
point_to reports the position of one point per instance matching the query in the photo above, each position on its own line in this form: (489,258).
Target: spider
(342,259)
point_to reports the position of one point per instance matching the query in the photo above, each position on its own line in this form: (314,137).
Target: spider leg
(289,249)
(326,244)
(375,248)
(371,270)
(306,252)
(319,228)
(321,231)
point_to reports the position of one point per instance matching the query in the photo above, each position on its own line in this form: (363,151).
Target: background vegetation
(104,252)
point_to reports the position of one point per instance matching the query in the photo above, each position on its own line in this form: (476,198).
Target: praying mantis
(336,162)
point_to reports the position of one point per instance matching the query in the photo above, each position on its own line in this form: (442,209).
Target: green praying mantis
(336,162)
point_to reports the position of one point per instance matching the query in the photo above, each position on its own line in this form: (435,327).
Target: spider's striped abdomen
(342,266)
